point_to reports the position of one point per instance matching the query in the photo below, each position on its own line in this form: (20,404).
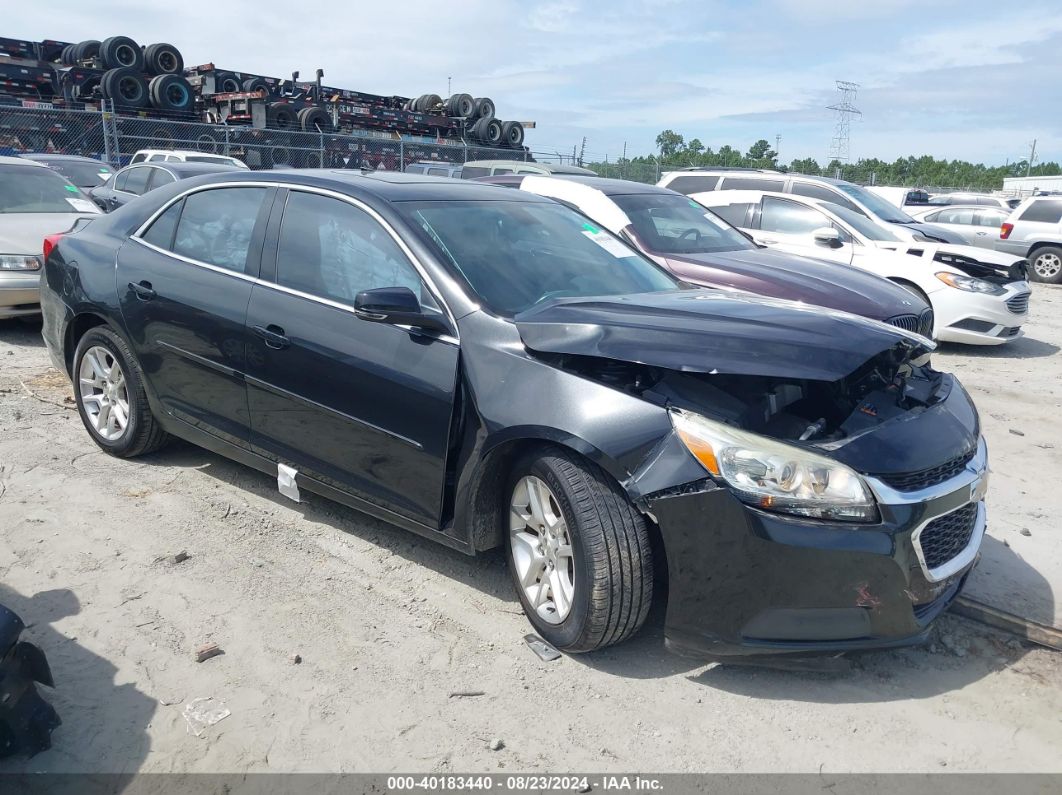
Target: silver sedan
(978,225)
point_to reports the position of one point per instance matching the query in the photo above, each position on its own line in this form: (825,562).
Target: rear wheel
(163,59)
(1046,265)
(110,396)
(579,552)
(121,52)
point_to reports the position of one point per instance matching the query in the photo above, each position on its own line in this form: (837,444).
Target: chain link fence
(114,138)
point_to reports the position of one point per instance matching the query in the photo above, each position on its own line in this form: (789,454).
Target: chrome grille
(1019,304)
(947,536)
(924,478)
(925,323)
(906,322)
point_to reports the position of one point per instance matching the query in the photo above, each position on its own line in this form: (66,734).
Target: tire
(66,57)
(280,116)
(1045,265)
(610,565)
(281,155)
(163,59)
(141,432)
(484,108)
(487,131)
(512,134)
(461,106)
(314,119)
(84,50)
(256,84)
(429,102)
(121,52)
(171,92)
(226,83)
(208,143)
(126,87)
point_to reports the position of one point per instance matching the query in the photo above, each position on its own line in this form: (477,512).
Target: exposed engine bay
(885,387)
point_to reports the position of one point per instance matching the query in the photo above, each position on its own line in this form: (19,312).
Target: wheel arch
(482,511)
(78,326)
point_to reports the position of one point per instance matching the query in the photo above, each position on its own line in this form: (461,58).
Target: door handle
(981,234)
(273,336)
(143,290)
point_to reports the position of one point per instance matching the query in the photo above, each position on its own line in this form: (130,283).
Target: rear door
(184,284)
(360,406)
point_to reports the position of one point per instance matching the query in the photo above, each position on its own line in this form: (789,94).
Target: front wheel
(579,552)
(1046,265)
(109,391)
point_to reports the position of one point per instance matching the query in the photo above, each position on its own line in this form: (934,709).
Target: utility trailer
(152,82)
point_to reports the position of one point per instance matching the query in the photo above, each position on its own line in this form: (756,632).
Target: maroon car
(699,247)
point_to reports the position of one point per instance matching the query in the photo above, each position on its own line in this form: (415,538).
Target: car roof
(189,169)
(19,161)
(47,157)
(392,186)
(179,152)
(607,185)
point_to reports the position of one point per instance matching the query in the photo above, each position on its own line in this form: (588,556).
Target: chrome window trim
(192,261)
(417,265)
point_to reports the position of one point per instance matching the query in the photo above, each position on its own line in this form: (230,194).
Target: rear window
(1044,211)
(37,189)
(752,183)
(693,184)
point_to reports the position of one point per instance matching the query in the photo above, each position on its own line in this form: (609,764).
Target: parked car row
(531,365)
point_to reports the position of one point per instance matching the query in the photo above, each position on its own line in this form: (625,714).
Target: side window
(137,180)
(733,214)
(437,172)
(216,226)
(1044,211)
(963,217)
(753,183)
(155,158)
(333,250)
(989,217)
(160,233)
(790,218)
(500,171)
(693,184)
(121,179)
(813,191)
(138,158)
(931,217)
(159,177)
(471,172)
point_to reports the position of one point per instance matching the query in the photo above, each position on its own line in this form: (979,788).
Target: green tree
(761,154)
(668,143)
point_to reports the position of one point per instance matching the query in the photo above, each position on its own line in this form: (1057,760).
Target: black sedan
(484,367)
(140,178)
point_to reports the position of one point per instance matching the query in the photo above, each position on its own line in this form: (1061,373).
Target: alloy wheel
(1047,265)
(104,394)
(542,549)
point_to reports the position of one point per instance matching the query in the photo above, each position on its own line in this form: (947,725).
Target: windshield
(84,175)
(34,189)
(867,227)
(673,224)
(877,205)
(515,255)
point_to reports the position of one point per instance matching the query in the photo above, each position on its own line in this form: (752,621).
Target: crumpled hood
(971,260)
(711,332)
(933,232)
(24,233)
(797,278)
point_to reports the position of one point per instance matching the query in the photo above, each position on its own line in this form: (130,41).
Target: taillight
(1005,230)
(50,242)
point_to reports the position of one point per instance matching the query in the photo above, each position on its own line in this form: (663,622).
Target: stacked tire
(135,77)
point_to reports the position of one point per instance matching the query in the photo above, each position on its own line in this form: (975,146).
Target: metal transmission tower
(842,131)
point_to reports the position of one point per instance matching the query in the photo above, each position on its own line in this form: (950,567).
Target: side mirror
(830,238)
(398,306)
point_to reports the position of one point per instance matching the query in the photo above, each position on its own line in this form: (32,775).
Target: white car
(979,297)
(184,156)
(978,224)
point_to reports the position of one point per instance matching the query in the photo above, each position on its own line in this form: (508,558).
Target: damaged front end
(26,719)
(806,511)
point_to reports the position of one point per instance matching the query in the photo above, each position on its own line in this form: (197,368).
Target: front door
(790,226)
(360,406)
(184,285)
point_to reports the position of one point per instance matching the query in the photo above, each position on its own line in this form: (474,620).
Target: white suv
(1034,231)
(184,156)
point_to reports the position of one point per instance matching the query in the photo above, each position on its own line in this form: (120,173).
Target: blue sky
(972,80)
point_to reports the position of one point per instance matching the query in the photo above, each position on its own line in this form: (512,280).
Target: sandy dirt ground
(391,628)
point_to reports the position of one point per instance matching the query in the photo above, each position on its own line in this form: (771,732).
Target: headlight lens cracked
(775,476)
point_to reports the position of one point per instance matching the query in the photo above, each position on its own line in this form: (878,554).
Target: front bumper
(976,319)
(747,582)
(19,294)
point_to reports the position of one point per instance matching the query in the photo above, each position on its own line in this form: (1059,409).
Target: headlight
(969,283)
(19,262)
(776,476)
